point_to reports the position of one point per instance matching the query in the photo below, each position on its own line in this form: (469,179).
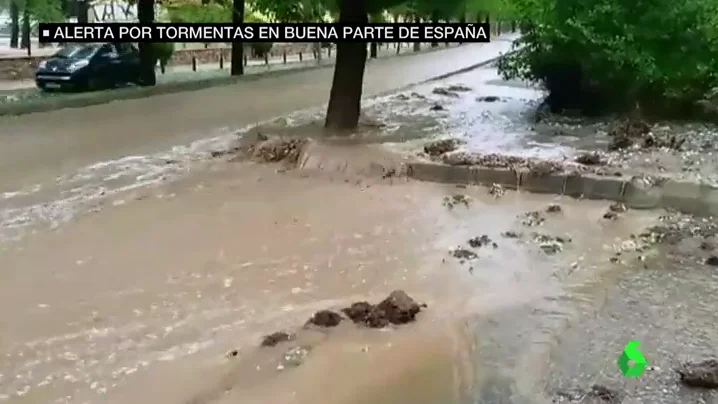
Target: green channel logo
(631,362)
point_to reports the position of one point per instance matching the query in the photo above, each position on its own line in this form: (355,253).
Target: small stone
(554,208)
(325,318)
(489,98)
(610,215)
(708,245)
(618,207)
(589,159)
(511,234)
(437,107)
(276,338)
(712,261)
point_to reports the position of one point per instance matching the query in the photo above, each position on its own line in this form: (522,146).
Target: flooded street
(142,262)
(242,252)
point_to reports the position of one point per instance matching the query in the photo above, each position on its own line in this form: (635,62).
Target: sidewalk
(204,71)
(388,72)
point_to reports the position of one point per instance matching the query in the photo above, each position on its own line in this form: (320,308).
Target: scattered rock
(458,88)
(439,147)
(463,254)
(221,153)
(598,394)
(402,97)
(437,107)
(458,199)
(481,241)
(419,96)
(708,245)
(550,244)
(532,219)
(511,234)
(276,338)
(325,318)
(700,374)
(554,208)
(489,98)
(398,308)
(496,190)
(589,159)
(618,207)
(712,261)
(445,92)
(610,215)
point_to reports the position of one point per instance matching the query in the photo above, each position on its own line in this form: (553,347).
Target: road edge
(635,192)
(98,98)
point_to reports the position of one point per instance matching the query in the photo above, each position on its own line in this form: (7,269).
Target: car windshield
(76,51)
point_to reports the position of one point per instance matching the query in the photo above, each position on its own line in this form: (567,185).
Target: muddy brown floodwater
(141,301)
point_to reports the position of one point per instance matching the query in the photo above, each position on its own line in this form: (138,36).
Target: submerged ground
(132,279)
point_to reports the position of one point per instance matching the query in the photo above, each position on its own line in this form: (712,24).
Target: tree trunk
(83,9)
(417,45)
(374,50)
(14,24)
(345,96)
(318,49)
(478,18)
(148,60)
(25,37)
(435,20)
(237,55)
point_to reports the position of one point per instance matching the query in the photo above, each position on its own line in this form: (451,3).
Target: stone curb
(104,97)
(635,192)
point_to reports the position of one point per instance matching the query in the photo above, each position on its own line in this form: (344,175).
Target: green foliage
(660,53)
(206,13)
(163,52)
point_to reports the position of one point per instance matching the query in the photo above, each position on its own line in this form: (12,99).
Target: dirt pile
(397,309)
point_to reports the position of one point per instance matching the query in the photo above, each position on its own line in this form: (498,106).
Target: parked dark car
(89,67)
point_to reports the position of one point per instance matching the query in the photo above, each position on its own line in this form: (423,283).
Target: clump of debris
(463,254)
(496,190)
(444,91)
(550,244)
(554,208)
(532,219)
(443,146)
(589,159)
(481,241)
(512,234)
(636,132)
(457,199)
(597,394)
(702,374)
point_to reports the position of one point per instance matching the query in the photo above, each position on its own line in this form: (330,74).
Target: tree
(598,55)
(14,24)
(237,56)
(148,60)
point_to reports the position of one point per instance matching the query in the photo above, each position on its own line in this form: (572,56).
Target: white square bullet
(45,32)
